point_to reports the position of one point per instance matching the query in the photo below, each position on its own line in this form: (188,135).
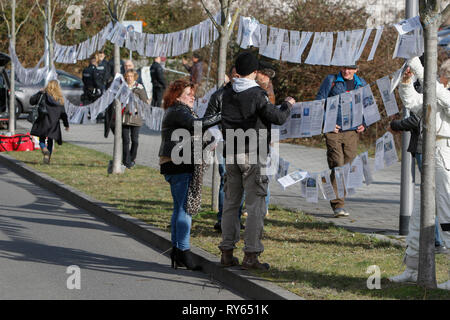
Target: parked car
(71,85)
(4,82)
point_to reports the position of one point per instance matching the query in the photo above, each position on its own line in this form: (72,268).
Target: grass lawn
(313,259)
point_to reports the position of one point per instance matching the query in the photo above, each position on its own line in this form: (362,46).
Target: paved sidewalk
(373,209)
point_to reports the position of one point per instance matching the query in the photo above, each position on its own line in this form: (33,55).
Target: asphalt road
(42,236)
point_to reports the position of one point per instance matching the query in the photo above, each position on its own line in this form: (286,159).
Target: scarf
(194,196)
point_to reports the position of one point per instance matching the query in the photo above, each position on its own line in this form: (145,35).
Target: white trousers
(442,206)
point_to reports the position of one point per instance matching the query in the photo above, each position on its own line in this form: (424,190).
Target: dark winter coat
(48,125)
(215,102)
(251,109)
(157,73)
(179,116)
(412,124)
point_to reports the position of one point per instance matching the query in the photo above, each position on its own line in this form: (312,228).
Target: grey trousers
(239,178)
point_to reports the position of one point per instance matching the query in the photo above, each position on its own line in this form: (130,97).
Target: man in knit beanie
(246,109)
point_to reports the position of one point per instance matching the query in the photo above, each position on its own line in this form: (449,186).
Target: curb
(239,280)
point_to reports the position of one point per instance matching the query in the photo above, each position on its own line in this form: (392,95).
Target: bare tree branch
(4,17)
(41,10)
(445,14)
(110,10)
(211,17)
(25,20)
(233,21)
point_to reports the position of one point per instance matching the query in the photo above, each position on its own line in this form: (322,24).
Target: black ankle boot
(172,257)
(185,258)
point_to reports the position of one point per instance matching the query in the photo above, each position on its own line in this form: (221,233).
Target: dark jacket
(413,124)
(157,73)
(48,125)
(334,85)
(215,101)
(179,116)
(196,72)
(104,72)
(251,109)
(92,78)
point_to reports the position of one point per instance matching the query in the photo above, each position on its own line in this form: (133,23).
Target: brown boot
(251,262)
(227,258)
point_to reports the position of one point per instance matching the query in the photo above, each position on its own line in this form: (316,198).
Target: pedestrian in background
(264,76)
(93,86)
(342,145)
(179,103)
(47,126)
(104,69)
(131,123)
(196,72)
(215,107)
(413,101)
(158,82)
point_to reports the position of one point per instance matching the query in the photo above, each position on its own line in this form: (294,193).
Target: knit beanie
(246,63)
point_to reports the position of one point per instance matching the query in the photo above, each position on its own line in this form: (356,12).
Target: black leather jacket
(157,74)
(179,116)
(413,124)
(251,109)
(215,102)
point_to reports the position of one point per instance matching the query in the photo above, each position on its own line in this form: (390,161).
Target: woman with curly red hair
(179,103)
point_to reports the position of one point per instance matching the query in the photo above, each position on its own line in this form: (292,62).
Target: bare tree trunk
(117,154)
(117,10)
(427,270)
(224,35)
(12,95)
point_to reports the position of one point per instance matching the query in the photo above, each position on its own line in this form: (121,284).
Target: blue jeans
(437,235)
(49,144)
(181,221)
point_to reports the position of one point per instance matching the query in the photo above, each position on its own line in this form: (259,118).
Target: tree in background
(12,33)
(117,10)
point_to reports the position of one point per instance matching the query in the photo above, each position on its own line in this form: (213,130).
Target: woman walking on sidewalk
(182,177)
(51,110)
(132,123)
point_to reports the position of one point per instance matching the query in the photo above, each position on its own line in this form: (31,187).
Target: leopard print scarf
(194,196)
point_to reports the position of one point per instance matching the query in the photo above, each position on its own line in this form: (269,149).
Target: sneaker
(440,250)
(340,212)
(444,286)
(409,275)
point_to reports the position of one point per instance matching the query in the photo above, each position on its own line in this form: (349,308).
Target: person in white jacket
(413,101)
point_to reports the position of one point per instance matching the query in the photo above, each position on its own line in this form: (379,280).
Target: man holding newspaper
(341,143)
